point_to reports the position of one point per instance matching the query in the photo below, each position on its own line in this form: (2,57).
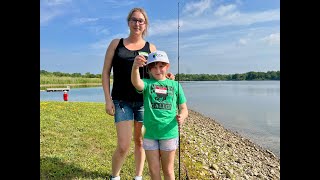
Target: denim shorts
(164,145)
(125,111)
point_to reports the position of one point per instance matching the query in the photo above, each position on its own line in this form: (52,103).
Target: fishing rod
(179,87)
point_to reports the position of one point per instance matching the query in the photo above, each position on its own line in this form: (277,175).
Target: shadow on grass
(54,168)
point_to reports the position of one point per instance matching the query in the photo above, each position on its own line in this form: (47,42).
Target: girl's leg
(139,154)
(167,161)
(124,135)
(153,158)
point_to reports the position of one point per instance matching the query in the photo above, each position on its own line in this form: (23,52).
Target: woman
(124,103)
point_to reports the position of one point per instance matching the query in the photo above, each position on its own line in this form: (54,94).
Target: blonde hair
(143,12)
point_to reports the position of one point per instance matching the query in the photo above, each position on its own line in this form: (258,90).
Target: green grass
(72,82)
(77,140)
(67,80)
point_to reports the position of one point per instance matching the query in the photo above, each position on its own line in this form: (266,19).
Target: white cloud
(119,3)
(197,8)
(232,19)
(272,39)
(46,16)
(210,21)
(50,9)
(163,27)
(104,43)
(56,2)
(80,21)
(242,41)
(222,10)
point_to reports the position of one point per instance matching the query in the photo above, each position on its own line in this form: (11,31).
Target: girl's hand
(170,76)
(180,120)
(139,61)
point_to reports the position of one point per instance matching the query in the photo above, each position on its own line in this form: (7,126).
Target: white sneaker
(115,178)
(138,178)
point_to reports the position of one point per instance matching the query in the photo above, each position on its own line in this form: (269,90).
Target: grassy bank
(73,82)
(67,80)
(77,140)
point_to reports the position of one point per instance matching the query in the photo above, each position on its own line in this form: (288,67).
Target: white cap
(158,56)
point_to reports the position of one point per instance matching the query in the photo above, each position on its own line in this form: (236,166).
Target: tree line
(249,76)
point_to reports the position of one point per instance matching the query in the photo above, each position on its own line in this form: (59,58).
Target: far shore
(83,84)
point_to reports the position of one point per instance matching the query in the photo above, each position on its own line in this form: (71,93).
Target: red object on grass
(65,96)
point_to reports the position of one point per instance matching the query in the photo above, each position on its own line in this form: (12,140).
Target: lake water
(251,108)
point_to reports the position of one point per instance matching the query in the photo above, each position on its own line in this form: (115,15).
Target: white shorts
(164,145)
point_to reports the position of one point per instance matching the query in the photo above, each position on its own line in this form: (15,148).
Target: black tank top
(122,88)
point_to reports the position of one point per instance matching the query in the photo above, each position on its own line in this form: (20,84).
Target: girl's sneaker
(114,178)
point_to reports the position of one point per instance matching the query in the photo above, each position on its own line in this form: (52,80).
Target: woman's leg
(124,135)
(139,154)
(153,158)
(167,162)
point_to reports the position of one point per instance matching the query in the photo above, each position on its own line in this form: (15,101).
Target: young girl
(161,116)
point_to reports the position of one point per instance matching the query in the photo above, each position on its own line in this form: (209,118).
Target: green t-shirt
(160,108)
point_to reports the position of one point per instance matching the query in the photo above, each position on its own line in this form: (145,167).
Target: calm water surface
(251,108)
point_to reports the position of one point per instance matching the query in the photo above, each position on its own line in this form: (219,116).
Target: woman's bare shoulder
(152,47)
(115,42)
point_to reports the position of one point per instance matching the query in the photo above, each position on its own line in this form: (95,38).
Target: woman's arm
(106,75)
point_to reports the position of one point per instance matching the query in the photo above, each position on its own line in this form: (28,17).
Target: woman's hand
(110,108)
(170,76)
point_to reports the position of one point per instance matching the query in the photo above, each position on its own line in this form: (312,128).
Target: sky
(214,36)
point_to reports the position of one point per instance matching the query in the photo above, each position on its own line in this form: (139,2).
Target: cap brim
(158,61)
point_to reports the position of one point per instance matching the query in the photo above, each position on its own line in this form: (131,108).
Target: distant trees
(249,76)
(269,75)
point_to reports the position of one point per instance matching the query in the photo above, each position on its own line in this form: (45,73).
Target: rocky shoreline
(218,153)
